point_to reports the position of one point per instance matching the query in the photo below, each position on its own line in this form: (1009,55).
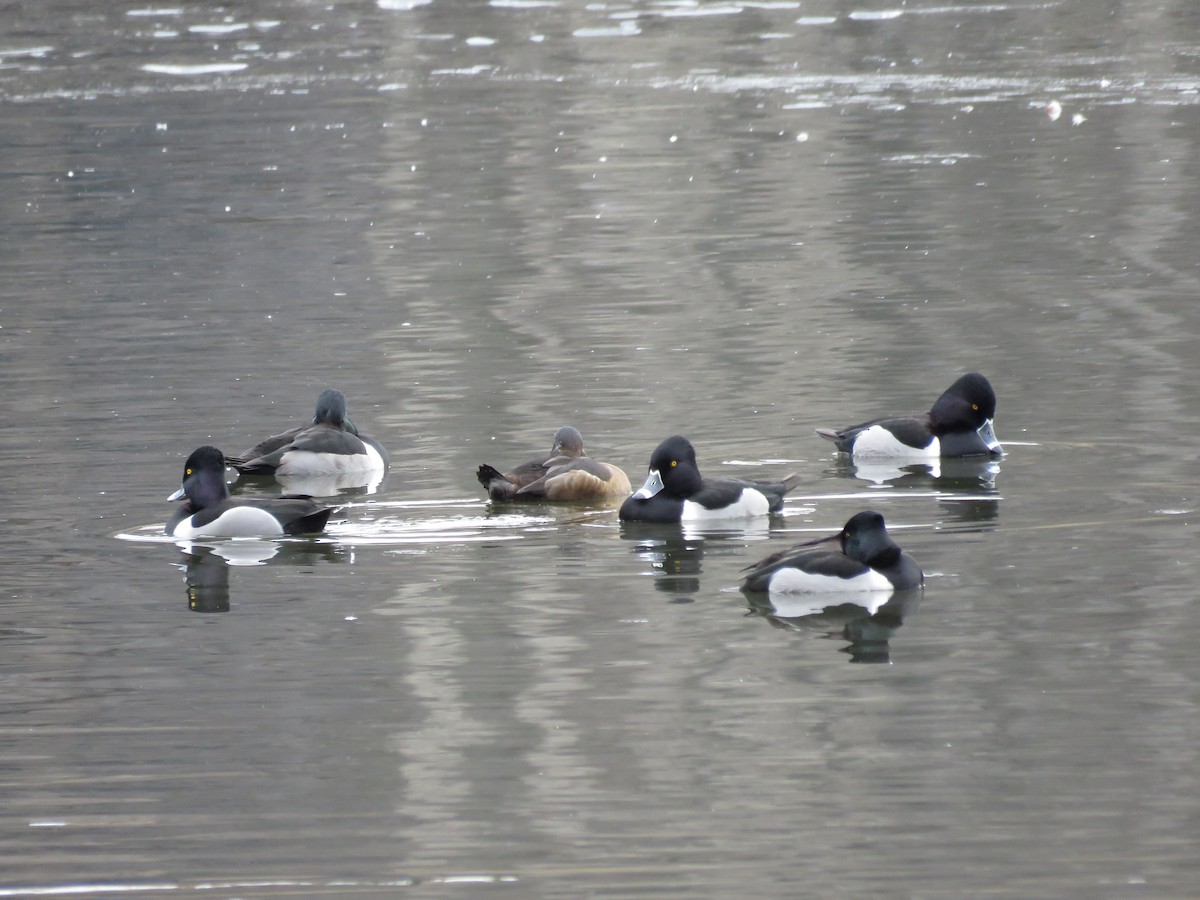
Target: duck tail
(249,466)
(487,474)
(494,482)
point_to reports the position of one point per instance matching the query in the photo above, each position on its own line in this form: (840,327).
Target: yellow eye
(674,463)
(975,406)
(188,472)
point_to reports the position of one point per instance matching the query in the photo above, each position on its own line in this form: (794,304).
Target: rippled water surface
(737,221)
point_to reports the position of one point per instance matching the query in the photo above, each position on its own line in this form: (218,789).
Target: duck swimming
(568,474)
(958,425)
(675,491)
(209,512)
(329,445)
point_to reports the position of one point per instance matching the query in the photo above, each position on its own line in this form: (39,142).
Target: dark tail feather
(493,480)
(255,470)
(487,474)
(312,523)
(775,492)
(244,466)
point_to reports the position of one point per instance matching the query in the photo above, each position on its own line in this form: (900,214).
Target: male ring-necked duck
(959,424)
(861,557)
(676,492)
(209,511)
(567,474)
(330,445)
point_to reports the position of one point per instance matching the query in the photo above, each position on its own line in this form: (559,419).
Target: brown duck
(567,474)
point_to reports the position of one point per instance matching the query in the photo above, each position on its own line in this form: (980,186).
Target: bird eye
(674,463)
(975,406)
(188,472)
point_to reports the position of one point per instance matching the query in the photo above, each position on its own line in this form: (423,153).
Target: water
(736,221)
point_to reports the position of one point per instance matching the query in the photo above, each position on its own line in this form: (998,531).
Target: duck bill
(989,439)
(178,495)
(653,485)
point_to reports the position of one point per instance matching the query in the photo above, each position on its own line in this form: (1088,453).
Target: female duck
(675,491)
(568,474)
(861,557)
(209,511)
(959,424)
(331,445)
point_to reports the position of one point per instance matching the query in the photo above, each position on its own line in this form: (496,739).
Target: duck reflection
(868,620)
(966,488)
(674,556)
(206,565)
(206,575)
(968,474)
(675,552)
(346,483)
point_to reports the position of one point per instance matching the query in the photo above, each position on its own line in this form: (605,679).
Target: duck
(329,445)
(861,557)
(209,511)
(675,491)
(568,474)
(958,425)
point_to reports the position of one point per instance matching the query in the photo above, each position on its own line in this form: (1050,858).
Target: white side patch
(305,462)
(878,441)
(796,606)
(751,503)
(374,460)
(789,580)
(240,521)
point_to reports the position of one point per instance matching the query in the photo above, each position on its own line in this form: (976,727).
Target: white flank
(789,580)
(751,503)
(878,441)
(797,606)
(240,521)
(305,462)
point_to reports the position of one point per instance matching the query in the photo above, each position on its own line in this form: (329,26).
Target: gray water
(739,221)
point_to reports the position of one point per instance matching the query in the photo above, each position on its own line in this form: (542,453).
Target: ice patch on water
(36,52)
(875,15)
(200,69)
(625,29)
(225,28)
(696,11)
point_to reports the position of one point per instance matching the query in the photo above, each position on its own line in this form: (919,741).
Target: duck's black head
(865,538)
(965,405)
(203,478)
(675,462)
